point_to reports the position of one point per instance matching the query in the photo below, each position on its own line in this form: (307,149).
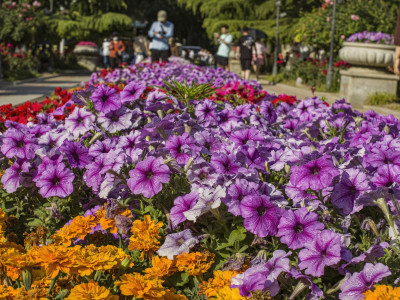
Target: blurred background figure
(140,47)
(246,45)
(106,53)
(173,47)
(224,40)
(259,57)
(160,32)
(117,47)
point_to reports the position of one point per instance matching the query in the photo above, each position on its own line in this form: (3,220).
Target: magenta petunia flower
(132,91)
(316,174)
(243,136)
(206,113)
(116,120)
(225,163)
(19,144)
(386,176)
(298,228)
(236,192)
(148,176)
(106,99)
(76,153)
(323,251)
(181,205)
(358,283)
(261,216)
(11,178)
(55,181)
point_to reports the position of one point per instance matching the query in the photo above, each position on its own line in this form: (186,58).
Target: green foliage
(252,13)
(18,67)
(314,28)
(186,93)
(382,99)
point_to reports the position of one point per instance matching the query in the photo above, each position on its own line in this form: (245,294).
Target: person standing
(161,31)
(117,47)
(259,57)
(140,46)
(106,53)
(245,46)
(224,40)
(396,67)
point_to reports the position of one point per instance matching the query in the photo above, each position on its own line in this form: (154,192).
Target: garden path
(305,92)
(37,89)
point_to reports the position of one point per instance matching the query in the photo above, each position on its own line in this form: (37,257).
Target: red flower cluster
(28,111)
(234,92)
(291,100)
(342,63)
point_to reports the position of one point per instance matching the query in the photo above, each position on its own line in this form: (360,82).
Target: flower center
(114,118)
(104,98)
(55,181)
(133,91)
(21,144)
(180,242)
(261,211)
(315,170)
(149,174)
(298,228)
(79,120)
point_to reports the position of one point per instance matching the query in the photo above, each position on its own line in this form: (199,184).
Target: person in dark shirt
(245,44)
(396,66)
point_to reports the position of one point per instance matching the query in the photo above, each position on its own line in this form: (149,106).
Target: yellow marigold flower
(195,263)
(383,292)
(12,260)
(92,258)
(228,293)
(141,286)
(35,293)
(7,293)
(105,223)
(3,219)
(54,259)
(220,280)
(91,291)
(161,266)
(145,236)
(64,236)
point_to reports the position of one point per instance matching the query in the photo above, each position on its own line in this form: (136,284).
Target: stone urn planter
(367,54)
(369,73)
(87,56)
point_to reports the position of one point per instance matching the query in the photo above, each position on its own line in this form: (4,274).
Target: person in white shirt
(224,41)
(106,53)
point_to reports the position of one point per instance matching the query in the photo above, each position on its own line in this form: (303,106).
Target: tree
(259,14)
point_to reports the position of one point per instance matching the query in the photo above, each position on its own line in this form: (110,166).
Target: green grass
(380,99)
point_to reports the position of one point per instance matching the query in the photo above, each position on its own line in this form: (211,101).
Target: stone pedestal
(358,83)
(87,61)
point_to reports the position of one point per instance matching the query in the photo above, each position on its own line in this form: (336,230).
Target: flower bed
(181,193)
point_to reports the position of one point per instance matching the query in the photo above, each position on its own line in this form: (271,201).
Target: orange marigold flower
(54,259)
(161,266)
(220,280)
(145,236)
(7,293)
(195,263)
(3,219)
(141,286)
(106,223)
(383,292)
(35,293)
(171,295)
(92,258)
(91,290)
(82,226)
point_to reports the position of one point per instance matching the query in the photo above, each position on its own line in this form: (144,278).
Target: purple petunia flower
(19,144)
(358,283)
(182,147)
(76,153)
(106,99)
(316,174)
(298,228)
(206,113)
(181,205)
(129,143)
(148,176)
(352,184)
(132,91)
(236,192)
(386,176)
(225,163)
(55,181)
(101,147)
(116,120)
(323,251)
(177,243)
(243,136)
(79,122)
(261,216)
(11,178)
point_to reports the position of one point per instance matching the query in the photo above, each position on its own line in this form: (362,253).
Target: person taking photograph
(161,31)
